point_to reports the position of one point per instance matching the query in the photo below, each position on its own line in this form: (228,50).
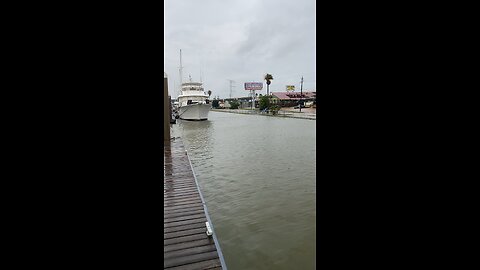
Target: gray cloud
(240,40)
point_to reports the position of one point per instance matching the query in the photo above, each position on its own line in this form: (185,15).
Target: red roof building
(288,99)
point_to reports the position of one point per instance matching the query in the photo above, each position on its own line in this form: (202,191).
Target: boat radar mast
(180,69)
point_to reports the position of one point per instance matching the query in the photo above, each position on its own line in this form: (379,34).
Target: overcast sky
(240,40)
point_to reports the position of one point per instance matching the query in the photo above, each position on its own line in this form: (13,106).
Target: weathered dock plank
(210,264)
(185,245)
(183,233)
(183,227)
(185,222)
(185,242)
(174,193)
(181,206)
(186,209)
(184,213)
(189,251)
(192,258)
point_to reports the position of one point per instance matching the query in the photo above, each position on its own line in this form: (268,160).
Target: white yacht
(193,103)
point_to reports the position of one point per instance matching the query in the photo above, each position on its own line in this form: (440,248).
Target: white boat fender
(209,230)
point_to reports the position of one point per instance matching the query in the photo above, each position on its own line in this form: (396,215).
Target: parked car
(298,106)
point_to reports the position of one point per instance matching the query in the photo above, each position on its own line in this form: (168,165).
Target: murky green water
(257,175)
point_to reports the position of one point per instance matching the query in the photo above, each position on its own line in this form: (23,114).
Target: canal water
(257,175)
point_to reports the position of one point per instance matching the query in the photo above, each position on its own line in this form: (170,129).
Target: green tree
(215,104)
(274,109)
(268,80)
(234,104)
(264,102)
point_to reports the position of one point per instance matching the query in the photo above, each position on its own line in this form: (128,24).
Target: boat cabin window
(189,102)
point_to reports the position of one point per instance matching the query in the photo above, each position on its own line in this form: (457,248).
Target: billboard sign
(290,87)
(253,86)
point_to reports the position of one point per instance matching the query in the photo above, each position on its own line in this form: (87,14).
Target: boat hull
(195,112)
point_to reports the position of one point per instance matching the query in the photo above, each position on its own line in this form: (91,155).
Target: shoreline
(281,113)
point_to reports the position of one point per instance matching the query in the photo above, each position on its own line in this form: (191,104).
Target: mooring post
(166,110)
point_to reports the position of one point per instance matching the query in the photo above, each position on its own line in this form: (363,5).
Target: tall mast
(181,73)
(181,69)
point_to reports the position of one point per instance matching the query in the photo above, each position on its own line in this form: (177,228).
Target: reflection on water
(257,175)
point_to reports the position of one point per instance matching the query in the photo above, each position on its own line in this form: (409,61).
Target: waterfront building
(289,99)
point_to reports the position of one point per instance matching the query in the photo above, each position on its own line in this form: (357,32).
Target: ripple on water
(257,175)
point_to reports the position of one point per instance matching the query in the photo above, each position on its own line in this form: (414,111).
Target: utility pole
(231,86)
(301,88)
(253,96)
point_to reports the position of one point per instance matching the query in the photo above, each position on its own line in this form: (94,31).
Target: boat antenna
(180,69)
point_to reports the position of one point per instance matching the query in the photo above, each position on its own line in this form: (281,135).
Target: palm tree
(268,79)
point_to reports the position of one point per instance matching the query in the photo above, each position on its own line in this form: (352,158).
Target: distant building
(289,99)
(244,102)
(226,104)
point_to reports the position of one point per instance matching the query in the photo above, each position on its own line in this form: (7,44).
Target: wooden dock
(186,244)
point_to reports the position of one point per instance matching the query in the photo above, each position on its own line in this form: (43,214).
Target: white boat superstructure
(193,103)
